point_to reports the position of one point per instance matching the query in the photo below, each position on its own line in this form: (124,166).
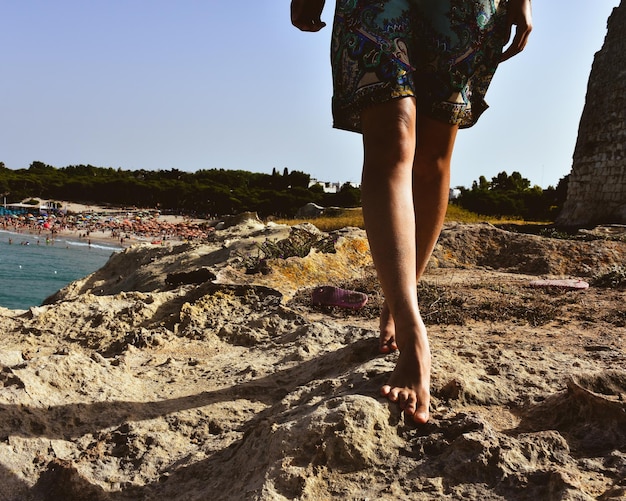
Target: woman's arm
(519,15)
(305,14)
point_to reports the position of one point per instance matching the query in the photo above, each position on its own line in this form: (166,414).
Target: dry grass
(338,219)
(463,304)
(460,215)
(354,217)
(482,300)
(615,278)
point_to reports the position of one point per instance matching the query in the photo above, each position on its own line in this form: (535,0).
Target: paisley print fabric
(442,52)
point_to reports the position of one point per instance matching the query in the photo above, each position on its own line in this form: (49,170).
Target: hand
(519,14)
(305,14)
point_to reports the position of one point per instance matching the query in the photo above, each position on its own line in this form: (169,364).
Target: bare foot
(387,340)
(409,383)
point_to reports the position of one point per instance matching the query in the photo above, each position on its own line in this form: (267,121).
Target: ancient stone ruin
(597,184)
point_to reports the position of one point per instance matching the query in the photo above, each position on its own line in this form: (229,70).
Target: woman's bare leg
(431,185)
(389,149)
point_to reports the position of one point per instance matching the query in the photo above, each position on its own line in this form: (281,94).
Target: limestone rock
(126,387)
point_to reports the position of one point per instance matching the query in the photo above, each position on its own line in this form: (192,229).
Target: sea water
(32,269)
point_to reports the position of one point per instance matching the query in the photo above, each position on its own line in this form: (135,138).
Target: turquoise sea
(30,273)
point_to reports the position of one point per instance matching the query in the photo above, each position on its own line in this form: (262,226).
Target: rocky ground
(203,372)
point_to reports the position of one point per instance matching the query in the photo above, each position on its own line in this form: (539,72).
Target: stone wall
(597,184)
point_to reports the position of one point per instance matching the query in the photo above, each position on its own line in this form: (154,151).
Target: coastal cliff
(198,371)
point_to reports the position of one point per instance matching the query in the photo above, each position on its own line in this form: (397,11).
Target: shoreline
(115,228)
(65,236)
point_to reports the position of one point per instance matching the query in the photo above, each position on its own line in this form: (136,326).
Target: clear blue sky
(155,84)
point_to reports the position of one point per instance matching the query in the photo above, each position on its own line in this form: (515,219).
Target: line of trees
(219,191)
(513,196)
(205,192)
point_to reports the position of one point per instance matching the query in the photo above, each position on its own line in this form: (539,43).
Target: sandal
(328,295)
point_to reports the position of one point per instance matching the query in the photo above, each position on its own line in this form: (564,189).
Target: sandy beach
(112,226)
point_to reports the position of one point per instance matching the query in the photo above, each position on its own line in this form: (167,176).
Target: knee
(431,166)
(435,143)
(389,135)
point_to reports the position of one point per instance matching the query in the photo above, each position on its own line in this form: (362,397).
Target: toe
(409,403)
(390,392)
(387,345)
(420,414)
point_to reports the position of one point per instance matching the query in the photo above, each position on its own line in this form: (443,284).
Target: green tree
(347,196)
(481,185)
(508,196)
(515,182)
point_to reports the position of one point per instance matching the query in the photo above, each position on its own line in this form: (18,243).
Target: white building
(328,186)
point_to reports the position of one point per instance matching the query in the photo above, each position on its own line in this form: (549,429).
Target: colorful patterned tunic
(442,52)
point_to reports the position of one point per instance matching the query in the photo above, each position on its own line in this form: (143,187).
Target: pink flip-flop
(328,295)
(571,283)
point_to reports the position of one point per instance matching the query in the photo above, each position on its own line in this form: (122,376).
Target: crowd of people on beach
(124,229)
